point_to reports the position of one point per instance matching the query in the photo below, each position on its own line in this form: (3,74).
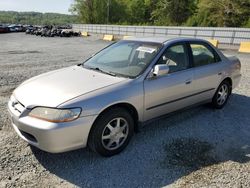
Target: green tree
(174,12)
(229,13)
(96,11)
(223,13)
(150,7)
(136,11)
(84,9)
(36,18)
(118,12)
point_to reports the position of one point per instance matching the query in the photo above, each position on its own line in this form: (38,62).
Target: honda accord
(102,102)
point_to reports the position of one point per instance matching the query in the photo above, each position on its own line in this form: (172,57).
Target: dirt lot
(200,147)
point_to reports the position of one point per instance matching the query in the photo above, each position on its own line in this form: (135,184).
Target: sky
(55,6)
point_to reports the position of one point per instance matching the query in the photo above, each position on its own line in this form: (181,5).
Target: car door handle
(220,73)
(188,82)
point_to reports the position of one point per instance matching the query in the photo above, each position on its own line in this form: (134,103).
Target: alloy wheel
(222,94)
(115,133)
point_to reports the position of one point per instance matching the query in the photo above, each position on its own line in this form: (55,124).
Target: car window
(202,55)
(124,58)
(175,57)
(123,54)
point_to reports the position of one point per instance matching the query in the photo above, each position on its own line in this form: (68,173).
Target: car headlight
(55,115)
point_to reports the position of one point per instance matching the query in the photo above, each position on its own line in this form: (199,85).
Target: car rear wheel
(111,132)
(222,94)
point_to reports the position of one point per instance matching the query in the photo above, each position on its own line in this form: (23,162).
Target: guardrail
(232,36)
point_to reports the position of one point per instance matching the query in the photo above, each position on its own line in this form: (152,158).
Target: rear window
(202,55)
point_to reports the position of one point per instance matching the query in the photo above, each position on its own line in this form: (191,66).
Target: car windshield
(124,58)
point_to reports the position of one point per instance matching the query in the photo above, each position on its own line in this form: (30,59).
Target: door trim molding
(165,103)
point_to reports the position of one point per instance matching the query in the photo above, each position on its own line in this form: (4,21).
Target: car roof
(162,40)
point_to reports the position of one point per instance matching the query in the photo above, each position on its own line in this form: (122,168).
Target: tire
(222,95)
(107,142)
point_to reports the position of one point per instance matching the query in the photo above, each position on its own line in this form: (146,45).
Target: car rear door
(173,91)
(208,70)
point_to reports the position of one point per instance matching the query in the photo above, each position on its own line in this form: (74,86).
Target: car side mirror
(160,70)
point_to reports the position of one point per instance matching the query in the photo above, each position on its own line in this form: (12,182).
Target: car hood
(54,88)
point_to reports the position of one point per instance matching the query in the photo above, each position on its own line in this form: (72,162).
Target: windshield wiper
(101,70)
(106,72)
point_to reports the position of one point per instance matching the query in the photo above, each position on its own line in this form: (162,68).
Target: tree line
(210,13)
(36,18)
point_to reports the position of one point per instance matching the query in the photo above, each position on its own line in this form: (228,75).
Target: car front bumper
(51,137)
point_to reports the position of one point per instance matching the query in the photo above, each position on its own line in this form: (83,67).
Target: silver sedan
(102,102)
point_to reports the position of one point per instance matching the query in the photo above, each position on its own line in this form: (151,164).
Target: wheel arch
(230,81)
(127,106)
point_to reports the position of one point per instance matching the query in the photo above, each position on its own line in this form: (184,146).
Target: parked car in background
(29,29)
(69,33)
(52,31)
(101,102)
(12,28)
(45,30)
(16,28)
(4,29)
(38,31)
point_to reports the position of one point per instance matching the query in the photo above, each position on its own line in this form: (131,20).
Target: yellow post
(126,37)
(244,47)
(214,42)
(85,34)
(108,37)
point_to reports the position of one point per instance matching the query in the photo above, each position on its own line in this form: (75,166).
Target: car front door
(208,72)
(172,91)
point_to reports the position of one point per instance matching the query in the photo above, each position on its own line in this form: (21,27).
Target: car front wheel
(111,132)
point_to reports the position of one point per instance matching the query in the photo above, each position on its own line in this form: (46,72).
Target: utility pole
(108,4)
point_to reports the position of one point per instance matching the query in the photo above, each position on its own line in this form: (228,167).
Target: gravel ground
(200,147)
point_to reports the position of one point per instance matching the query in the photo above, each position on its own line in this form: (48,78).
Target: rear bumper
(236,80)
(52,137)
